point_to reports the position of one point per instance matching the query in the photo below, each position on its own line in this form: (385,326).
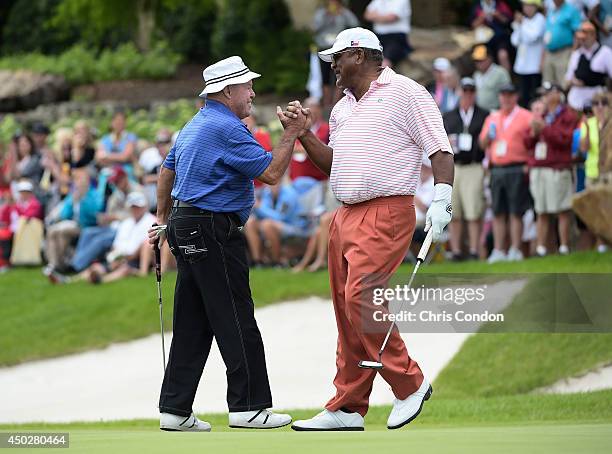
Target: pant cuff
(175,411)
(262,406)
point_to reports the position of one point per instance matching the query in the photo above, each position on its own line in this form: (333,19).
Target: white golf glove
(440,211)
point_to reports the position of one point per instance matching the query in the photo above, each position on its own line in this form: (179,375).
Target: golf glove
(439,213)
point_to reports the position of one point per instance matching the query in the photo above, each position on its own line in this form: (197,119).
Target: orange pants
(367,242)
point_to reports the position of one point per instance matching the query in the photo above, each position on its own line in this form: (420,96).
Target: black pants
(528,86)
(212,299)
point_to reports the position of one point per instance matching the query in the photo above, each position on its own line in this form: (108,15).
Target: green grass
(439,411)
(510,424)
(38,320)
(558,439)
(508,363)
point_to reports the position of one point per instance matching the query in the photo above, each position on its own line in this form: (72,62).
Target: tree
(102,20)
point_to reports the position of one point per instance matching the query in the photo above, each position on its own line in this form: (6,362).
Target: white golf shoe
(330,420)
(258,419)
(406,410)
(176,423)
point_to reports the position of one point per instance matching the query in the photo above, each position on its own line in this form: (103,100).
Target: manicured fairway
(580,438)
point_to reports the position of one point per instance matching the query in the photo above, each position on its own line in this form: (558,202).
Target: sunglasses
(335,56)
(603,103)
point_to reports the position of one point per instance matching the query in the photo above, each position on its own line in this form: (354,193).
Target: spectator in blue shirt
(278,215)
(561,24)
(117,147)
(77,211)
(209,173)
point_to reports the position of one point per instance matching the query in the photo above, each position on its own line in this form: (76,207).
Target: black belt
(187,208)
(180,204)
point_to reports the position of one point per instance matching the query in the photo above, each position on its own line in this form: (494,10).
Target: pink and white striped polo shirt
(378,141)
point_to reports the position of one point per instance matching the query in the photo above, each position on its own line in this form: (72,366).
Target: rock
(23,90)
(594,207)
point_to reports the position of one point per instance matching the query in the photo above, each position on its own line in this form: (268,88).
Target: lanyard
(509,118)
(466,117)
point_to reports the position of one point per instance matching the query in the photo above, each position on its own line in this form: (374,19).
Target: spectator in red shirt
(550,164)
(27,205)
(261,136)
(301,165)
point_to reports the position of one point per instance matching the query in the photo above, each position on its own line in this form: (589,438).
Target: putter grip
(426,245)
(157,257)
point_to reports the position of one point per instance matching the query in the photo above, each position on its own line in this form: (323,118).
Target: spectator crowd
(524,124)
(530,128)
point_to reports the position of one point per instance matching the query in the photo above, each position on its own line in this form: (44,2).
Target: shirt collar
(591,50)
(219,107)
(383,79)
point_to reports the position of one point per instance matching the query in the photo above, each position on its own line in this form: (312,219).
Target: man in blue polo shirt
(562,21)
(205,194)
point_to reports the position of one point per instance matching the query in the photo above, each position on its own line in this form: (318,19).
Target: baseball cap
(117,174)
(163,137)
(468,82)
(480,52)
(24,186)
(229,71)
(441,64)
(352,37)
(136,199)
(549,86)
(537,3)
(39,128)
(508,88)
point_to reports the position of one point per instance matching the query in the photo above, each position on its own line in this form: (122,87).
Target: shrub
(80,65)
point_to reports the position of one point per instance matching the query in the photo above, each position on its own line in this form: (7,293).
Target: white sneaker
(497,256)
(563,249)
(257,419)
(176,423)
(514,255)
(406,410)
(541,251)
(330,420)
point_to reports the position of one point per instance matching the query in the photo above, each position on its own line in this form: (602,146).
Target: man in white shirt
(391,23)
(589,66)
(129,246)
(528,37)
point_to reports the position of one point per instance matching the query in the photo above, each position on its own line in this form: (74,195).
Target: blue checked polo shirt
(215,159)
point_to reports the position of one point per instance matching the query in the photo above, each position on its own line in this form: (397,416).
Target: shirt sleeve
(245,154)
(399,8)
(170,161)
(424,123)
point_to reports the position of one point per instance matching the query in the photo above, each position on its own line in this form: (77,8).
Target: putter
(160,229)
(378,365)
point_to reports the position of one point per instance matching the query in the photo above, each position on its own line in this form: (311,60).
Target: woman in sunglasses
(596,142)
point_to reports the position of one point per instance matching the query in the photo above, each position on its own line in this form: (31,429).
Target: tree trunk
(145,14)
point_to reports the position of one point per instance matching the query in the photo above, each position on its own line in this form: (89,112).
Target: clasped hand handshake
(295,118)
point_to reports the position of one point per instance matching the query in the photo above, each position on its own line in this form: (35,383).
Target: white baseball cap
(136,199)
(24,186)
(441,64)
(230,71)
(352,37)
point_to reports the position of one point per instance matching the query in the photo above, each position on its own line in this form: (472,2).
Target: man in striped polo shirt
(205,193)
(379,132)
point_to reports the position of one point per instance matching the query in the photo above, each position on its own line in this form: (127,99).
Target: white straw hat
(230,71)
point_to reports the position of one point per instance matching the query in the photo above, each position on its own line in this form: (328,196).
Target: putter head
(370,365)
